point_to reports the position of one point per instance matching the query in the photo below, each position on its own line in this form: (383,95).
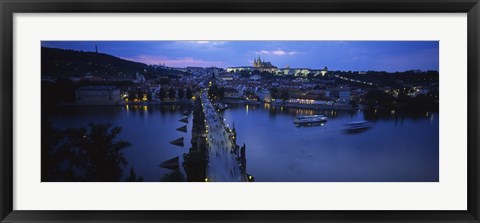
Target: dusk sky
(336,55)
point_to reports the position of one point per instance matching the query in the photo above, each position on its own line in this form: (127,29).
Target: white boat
(309,119)
(358,126)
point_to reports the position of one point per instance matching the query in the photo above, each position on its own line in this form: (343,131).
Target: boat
(310,116)
(309,119)
(357,126)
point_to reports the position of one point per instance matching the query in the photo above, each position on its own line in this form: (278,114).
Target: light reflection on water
(149,128)
(395,149)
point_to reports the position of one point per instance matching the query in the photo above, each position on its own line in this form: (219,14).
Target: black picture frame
(9,7)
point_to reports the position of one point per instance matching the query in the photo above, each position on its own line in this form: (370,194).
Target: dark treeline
(58,62)
(393,79)
(175,176)
(276,94)
(61,63)
(215,92)
(90,154)
(382,78)
(385,102)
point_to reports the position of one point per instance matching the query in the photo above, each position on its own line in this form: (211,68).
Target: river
(396,149)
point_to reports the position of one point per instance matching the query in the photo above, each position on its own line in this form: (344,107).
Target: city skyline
(390,56)
(105,119)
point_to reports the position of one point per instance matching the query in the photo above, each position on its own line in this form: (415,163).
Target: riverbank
(338,106)
(342,107)
(146,103)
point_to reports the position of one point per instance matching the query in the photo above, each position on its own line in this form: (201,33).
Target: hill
(65,63)
(60,62)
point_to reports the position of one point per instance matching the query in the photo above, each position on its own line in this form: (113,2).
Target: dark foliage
(58,62)
(216,92)
(376,99)
(62,63)
(274,93)
(180,93)
(285,95)
(189,93)
(175,176)
(83,154)
(133,177)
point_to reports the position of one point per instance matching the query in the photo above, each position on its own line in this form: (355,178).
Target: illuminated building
(98,95)
(261,65)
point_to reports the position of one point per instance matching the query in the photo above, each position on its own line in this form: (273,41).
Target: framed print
(238,111)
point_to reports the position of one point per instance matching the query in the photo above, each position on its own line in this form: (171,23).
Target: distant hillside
(59,62)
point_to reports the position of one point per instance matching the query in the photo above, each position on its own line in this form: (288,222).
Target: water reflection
(148,128)
(274,110)
(282,152)
(399,147)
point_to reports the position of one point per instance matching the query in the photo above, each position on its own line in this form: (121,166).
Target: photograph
(216,111)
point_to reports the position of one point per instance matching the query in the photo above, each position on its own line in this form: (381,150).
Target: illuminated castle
(258,64)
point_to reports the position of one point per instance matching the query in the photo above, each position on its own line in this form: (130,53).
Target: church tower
(257,62)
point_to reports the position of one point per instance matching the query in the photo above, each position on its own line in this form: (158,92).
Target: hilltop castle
(260,65)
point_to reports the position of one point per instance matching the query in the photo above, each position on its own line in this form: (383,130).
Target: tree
(85,154)
(175,176)
(172,93)
(379,99)
(221,93)
(162,94)
(102,155)
(133,177)
(216,92)
(51,139)
(285,95)
(244,73)
(353,103)
(164,81)
(274,92)
(180,93)
(213,91)
(65,90)
(189,94)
